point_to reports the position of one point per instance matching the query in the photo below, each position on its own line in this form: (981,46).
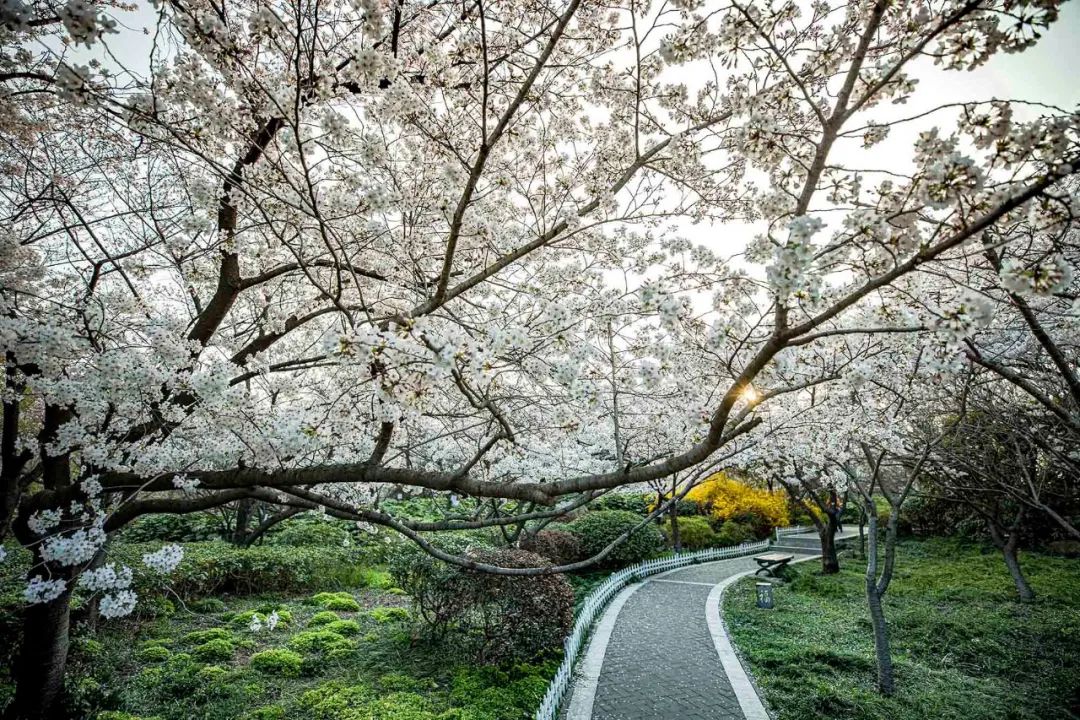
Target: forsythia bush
(724,498)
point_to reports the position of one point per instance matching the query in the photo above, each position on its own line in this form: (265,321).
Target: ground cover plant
(965,648)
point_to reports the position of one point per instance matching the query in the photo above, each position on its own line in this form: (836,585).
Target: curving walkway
(660,652)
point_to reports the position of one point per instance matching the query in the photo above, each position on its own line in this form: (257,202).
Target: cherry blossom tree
(301,252)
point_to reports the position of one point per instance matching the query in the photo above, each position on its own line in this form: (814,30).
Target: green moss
(388,614)
(267,712)
(215,650)
(154,654)
(319,641)
(212,674)
(323,617)
(336,601)
(346,628)
(278,661)
(379,579)
(199,637)
(243,619)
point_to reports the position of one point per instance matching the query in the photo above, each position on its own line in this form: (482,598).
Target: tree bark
(874,594)
(39,670)
(830,562)
(1013,563)
(676,538)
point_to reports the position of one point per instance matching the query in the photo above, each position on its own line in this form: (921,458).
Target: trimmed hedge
(597,529)
(212,568)
(695,532)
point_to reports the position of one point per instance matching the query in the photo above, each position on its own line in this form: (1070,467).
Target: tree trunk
(244,510)
(39,670)
(882,652)
(862,534)
(676,538)
(830,563)
(1013,563)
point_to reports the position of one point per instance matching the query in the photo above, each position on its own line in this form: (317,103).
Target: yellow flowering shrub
(725,498)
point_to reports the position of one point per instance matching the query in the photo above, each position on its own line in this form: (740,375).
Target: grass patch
(322,665)
(963,648)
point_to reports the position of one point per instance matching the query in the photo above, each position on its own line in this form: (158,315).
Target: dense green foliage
(356,665)
(964,649)
(217,567)
(558,546)
(596,530)
(501,617)
(695,532)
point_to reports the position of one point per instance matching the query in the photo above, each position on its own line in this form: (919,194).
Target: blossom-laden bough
(303,252)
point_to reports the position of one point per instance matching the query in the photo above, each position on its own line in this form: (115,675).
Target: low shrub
(311,533)
(596,530)
(154,654)
(319,641)
(502,617)
(323,617)
(278,661)
(215,650)
(336,601)
(199,637)
(724,498)
(695,532)
(637,503)
(187,527)
(734,533)
(215,568)
(345,628)
(388,614)
(206,606)
(558,546)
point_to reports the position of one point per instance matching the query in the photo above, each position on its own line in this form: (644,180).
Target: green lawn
(333,656)
(963,647)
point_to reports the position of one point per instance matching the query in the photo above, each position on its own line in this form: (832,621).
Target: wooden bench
(772,563)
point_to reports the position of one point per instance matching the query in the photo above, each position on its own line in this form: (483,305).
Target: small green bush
(345,628)
(212,674)
(637,503)
(388,614)
(558,546)
(215,650)
(323,617)
(199,637)
(734,533)
(267,712)
(206,606)
(319,641)
(695,533)
(215,568)
(278,661)
(311,533)
(377,579)
(336,601)
(598,529)
(154,654)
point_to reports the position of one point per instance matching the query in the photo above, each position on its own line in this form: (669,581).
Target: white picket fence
(599,598)
(793,530)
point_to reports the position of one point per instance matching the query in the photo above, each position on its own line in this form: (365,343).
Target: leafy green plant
(598,529)
(734,533)
(336,601)
(695,532)
(323,617)
(212,650)
(278,661)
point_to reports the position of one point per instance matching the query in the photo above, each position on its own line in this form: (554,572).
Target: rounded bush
(598,529)
(388,614)
(695,532)
(154,654)
(323,617)
(344,628)
(558,546)
(318,641)
(278,661)
(734,533)
(215,650)
(198,637)
(336,601)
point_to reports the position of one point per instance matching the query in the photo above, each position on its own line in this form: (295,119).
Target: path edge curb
(746,692)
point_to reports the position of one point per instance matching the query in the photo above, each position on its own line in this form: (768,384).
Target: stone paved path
(661,662)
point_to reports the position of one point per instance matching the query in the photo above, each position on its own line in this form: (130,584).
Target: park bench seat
(772,563)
